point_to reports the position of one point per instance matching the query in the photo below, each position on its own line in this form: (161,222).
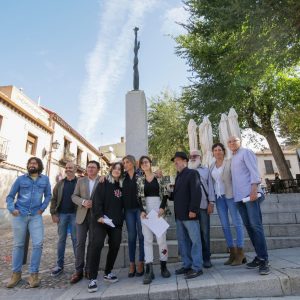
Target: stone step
(217,246)
(219,282)
(275,230)
(269,218)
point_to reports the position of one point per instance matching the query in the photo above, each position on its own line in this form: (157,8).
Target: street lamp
(55,145)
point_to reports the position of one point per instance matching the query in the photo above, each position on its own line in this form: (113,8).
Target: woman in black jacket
(107,204)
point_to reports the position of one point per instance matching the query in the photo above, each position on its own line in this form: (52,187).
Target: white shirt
(219,184)
(91,185)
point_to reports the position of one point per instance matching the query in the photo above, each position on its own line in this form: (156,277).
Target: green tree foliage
(243,54)
(168,123)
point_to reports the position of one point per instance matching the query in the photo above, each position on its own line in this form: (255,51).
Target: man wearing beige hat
(206,204)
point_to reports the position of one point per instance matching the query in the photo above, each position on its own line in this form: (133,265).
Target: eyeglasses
(233,141)
(194,156)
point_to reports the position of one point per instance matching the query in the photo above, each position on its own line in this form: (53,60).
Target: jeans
(189,243)
(223,206)
(134,229)
(252,218)
(65,221)
(204,220)
(36,230)
(100,231)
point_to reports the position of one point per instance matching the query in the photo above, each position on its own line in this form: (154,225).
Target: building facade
(267,166)
(27,130)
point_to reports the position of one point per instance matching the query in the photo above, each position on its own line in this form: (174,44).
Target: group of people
(94,207)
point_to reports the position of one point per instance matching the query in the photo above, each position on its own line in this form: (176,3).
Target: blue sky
(77,56)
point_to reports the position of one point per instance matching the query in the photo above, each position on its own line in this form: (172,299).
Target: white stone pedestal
(136,124)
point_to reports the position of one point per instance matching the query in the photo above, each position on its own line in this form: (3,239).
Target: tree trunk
(283,168)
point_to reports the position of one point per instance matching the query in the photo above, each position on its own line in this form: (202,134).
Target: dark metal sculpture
(136,78)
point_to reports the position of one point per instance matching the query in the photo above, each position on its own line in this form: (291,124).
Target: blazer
(226,177)
(82,192)
(187,194)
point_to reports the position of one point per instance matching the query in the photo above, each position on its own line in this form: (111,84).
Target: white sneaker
(92,287)
(111,277)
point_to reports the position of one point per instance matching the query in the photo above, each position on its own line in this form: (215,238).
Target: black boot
(149,275)
(163,269)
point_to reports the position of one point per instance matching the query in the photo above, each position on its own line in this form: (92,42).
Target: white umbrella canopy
(233,123)
(224,133)
(192,131)
(206,141)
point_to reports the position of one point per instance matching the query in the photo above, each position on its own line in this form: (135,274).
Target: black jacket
(108,200)
(187,194)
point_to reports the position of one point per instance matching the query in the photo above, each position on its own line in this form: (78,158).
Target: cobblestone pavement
(47,263)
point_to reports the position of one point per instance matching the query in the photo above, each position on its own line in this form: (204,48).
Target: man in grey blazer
(206,204)
(82,196)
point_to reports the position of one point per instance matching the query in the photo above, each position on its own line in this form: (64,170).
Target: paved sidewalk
(218,282)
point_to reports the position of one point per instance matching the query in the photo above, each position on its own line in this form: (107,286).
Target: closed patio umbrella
(192,131)
(206,141)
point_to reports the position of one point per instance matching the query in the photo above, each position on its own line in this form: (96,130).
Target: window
(78,157)
(288,163)
(1,119)
(269,167)
(31,144)
(67,145)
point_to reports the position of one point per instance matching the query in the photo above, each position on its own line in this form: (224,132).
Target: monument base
(136,124)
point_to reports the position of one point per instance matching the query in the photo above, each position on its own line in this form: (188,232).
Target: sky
(77,56)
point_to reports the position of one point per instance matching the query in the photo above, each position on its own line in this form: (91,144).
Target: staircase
(281,219)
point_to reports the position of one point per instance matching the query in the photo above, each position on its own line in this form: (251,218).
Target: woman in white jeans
(152,194)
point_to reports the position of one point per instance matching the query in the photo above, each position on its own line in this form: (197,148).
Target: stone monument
(136,112)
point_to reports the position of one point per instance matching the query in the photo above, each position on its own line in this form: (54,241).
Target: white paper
(157,225)
(108,221)
(246,199)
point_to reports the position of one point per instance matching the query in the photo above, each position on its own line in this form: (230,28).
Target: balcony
(81,166)
(3,148)
(67,157)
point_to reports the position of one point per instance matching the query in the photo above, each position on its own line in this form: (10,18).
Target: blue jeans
(252,218)
(189,243)
(204,221)
(36,229)
(134,229)
(224,206)
(65,221)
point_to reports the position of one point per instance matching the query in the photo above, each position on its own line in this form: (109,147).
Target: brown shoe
(34,280)
(14,280)
(239,258)
(232,251)
(132,270)
(77,276)
(140,269)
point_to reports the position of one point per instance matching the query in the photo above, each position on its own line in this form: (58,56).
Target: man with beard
(63,212)
(206,205)
(27,213)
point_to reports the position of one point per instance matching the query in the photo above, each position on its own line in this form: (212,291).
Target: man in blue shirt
(63,212)
(246,184)
(27,212)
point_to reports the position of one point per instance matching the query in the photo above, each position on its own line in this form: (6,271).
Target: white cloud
(107,62)
(172,17)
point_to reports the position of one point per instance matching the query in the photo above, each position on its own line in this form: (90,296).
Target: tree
(243,54)
(168,123)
